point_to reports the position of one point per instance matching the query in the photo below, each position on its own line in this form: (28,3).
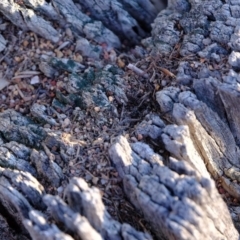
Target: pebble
(58,53)
(47,126)
(163,83)
(69,33)
(3,97)
(98,141)
(77,130)
(35,80)
(110,98)
(25,43)
(78,58)
(106,145)
(62,116)
(104,181)
(17,59)
(66,123)
(95,180)
(139,137)
(38,51)
(134,139)
(60,189)
(68,52)
(97,109)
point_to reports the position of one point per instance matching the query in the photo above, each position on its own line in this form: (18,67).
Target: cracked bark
(199,129)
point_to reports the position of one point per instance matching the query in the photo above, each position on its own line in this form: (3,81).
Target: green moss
(58,105)
(78,82)
(65,64)
(61,98)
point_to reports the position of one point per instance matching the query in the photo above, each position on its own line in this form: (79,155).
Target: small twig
(137,70)
(122,113)
(129,120)
(21,94)
(36,39)
(77,154)
(4,56)
(142,225)
(153,76)
(48,152)
(76,164)
(28,72)
(143,99)
(167,72)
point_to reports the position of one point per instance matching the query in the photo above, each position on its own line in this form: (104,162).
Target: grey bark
(25,158)
(179,199)
(22,196)
(199,126)
(108,22)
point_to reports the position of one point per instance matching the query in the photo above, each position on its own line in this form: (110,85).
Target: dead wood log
(23,200)
(206,130)
(109,20)
(180,202)
(22,196)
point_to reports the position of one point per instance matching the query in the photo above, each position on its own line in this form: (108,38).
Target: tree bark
(197,126)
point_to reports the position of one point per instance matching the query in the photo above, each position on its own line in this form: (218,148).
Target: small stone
(38,51)
(66,123)
(60,190)
(110,98)
(58,53)
(97,109)
(47,126)
(104,181)
(76,130)
(113,56)
(139,137)
(78,57)
(62,116)
(234,59)
(98,141)
(17,59)
(120,63)
(25,43)
(68,52)
(3,97)
(95,180)
(163,83)
(69,33)
(35,80)
(134,139)
(106,145)
(34,67)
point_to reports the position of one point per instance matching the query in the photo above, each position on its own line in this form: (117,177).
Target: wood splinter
(137,70)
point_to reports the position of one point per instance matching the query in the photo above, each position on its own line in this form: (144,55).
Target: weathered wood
(211,136)
(87,201)
(176,195)
(21,196)
(17,191)
(39,228)
(113,18)
(179,202)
